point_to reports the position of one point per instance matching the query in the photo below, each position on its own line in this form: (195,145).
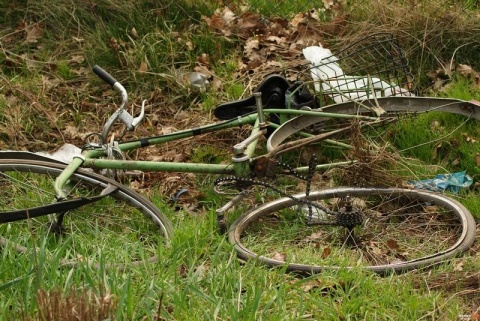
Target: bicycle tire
(387,237)
(126,217)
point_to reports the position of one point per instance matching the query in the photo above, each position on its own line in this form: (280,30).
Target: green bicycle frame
(239,166)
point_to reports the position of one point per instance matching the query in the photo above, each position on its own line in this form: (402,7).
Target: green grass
(45,89)
(199,278)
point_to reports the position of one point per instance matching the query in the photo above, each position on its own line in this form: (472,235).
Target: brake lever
(129,121)
(139,118)
(121,114)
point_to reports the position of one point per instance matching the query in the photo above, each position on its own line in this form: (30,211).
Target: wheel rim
(415,239)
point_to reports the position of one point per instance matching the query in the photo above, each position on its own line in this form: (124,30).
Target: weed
(49,96)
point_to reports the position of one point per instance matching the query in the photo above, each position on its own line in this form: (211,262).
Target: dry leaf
(310,285)
(143,67)
(204,71)
(392,244)
(431,209)
(34,32)
(464,70)
(251,46)
(77,59)
(459,266)
(134,33)
(228,16)
(203,59)
(180,158)
(326,252)
(298,19)
(50,82)
(375,248)
(279,256)
(71,131)
(183,271)
(215,83)
(275,39)
(315,236)
(328,3)
(435,151)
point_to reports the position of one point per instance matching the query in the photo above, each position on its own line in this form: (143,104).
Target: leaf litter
(270,45)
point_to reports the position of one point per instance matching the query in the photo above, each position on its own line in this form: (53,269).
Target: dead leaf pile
(441,77)
(275,44)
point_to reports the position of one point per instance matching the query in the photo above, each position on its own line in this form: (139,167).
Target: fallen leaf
(459,266)
(464,70)
(431,209)
(326,252)
(216,83)
(476,316)
(310,285)
(183,271)
(143,67)
(203,59)
(34,32)
(435,151)
(180,158)
(279,256)
(298,19)
(375,248)
(314,236)
(134,33)
(204,70)
(392,244)
(77,59)
(228,16)
(327,3)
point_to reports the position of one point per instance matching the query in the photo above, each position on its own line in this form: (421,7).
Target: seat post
(259,105)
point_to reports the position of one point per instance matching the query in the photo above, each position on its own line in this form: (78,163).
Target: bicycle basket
(375,66)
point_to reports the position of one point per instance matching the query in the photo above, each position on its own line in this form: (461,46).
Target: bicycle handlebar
(105,76)
(121,114)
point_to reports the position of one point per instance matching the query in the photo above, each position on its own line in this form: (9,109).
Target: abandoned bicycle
(382,229)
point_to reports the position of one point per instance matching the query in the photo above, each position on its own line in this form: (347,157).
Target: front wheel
(119,231)
(379,229)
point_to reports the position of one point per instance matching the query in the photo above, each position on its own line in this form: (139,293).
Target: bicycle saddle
(273,89)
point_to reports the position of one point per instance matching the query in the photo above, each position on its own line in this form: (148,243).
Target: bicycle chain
(242,182)
(251,182)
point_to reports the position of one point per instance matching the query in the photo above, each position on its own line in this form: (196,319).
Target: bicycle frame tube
(62,179)
(90,158)
(150,166)
(157,140)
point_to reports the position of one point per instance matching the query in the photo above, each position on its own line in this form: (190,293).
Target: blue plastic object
(444,182)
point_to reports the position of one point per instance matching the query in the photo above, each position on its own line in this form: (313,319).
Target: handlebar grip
(105,76)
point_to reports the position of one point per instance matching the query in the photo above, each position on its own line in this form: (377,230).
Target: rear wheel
(382,230)
(120,230)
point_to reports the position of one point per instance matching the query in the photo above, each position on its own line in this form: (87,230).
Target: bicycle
(358,222)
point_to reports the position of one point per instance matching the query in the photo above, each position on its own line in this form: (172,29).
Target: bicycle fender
(13,154)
